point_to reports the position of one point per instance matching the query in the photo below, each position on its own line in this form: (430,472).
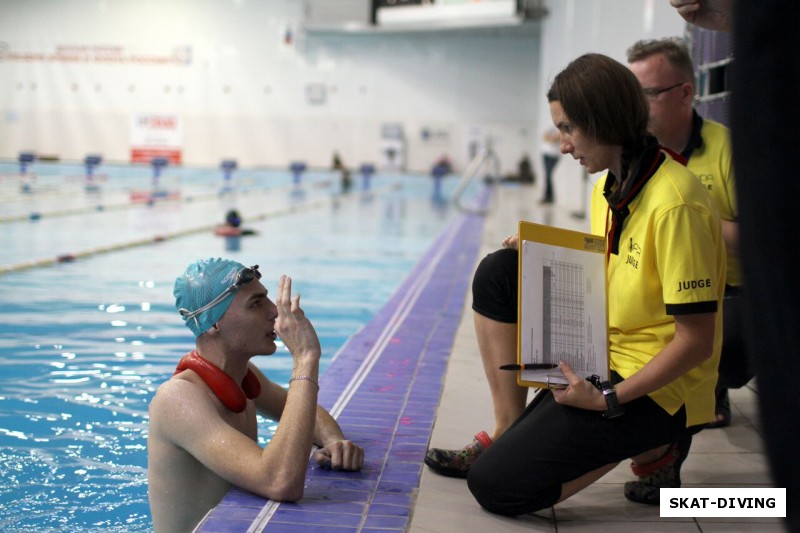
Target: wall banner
(156,135)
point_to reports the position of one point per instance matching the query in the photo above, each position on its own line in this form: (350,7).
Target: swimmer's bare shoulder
(181,489)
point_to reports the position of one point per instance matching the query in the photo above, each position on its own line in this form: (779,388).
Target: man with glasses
(664,68)
(202,431)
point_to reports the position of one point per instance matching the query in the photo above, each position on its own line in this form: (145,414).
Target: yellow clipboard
(562,307)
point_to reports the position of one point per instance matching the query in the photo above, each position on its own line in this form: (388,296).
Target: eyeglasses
(243,277)
(652,92)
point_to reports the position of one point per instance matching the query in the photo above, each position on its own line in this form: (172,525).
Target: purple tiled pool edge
(383,387)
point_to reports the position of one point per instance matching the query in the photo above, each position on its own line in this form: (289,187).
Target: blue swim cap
(200,283)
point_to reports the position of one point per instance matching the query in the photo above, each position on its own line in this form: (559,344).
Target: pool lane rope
(35,215)
(288,210)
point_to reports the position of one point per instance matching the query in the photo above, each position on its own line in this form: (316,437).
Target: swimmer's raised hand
(294,329)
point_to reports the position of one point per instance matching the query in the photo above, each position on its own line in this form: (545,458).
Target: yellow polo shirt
(712,164)
(671,261)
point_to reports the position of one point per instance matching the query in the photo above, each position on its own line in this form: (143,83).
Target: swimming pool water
(84,345)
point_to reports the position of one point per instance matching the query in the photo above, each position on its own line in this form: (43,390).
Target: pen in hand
(530,366)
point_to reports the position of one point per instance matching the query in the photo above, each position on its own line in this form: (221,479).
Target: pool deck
(413,376)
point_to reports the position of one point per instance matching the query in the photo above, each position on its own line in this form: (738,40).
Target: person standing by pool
(550,156)
(202,430)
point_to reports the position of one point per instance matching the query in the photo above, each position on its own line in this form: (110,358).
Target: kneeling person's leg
(553,451)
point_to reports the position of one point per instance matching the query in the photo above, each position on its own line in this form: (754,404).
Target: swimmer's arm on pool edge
(184,415)
(335,450)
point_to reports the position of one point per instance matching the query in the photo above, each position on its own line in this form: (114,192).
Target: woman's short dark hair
(603,99)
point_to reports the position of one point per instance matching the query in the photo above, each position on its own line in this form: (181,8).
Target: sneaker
(456,463)
(663,473)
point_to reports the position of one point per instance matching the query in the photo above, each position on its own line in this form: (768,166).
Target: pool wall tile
(383,387)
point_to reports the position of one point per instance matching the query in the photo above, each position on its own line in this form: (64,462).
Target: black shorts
(551,444)
(494,286)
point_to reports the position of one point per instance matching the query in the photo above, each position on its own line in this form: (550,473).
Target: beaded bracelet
(304,378)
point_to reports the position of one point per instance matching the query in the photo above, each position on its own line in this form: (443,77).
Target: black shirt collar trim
(695,139)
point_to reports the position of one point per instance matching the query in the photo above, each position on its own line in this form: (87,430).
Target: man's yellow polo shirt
(712,163)
(671,261)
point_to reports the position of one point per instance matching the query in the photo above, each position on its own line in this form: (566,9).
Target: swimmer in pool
(202,431)
(233,226)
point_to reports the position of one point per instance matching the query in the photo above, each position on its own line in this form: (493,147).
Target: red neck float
(229,393)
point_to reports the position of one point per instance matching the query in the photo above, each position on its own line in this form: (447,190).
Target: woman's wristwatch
(613,408)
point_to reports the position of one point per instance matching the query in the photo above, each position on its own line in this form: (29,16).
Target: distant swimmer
(232,226)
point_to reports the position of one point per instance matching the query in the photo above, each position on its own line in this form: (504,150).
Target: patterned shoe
(456,463)
(664,472)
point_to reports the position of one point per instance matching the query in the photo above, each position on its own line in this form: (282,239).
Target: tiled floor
(388,394)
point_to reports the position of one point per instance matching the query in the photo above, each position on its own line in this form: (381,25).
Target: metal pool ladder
(485,164)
